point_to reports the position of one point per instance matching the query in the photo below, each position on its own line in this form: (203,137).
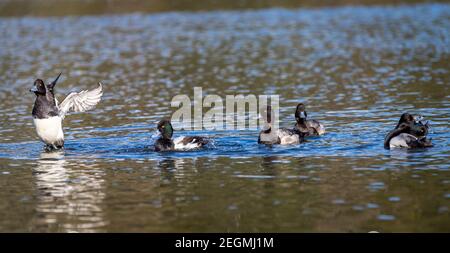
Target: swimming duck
(48,114)
(165,142)
(407,135)
(281,136)
(307,127)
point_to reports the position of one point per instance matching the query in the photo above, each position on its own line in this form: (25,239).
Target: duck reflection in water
(70,196)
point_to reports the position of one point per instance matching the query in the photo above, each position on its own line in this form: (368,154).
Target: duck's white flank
(401,140)
(287,137)
(49,130)
(178,142)
(288,140)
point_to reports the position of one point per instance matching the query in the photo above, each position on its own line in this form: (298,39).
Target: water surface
(357,69)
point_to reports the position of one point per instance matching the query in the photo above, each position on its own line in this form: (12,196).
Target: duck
(48,114)
(268,135)
(165,142)
(305,126)
(407,135)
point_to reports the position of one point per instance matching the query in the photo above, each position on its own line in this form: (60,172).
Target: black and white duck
(48,114)
(183,143)
(407,135)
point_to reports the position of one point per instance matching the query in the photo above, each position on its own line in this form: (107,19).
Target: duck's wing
(81,101)
(421,143)
(189,142)
(282,132)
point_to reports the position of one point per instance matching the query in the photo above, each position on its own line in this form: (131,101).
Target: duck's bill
(34,89)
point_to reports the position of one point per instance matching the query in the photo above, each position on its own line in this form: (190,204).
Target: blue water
(357,69)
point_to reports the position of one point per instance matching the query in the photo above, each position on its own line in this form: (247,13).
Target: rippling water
(357,69)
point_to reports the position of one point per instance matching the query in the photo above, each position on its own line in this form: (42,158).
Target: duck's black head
(40,89)
(165,128)
(300,112)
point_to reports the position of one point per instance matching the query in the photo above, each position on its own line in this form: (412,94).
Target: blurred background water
(357,68)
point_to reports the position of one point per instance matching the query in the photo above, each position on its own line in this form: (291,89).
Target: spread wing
(81,101)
